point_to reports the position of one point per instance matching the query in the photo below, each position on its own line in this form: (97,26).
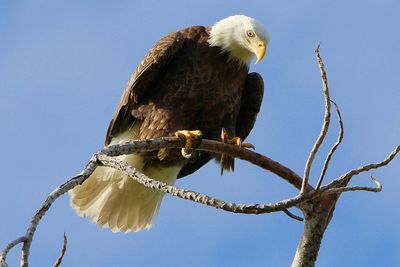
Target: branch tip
(317,48)
(378,184)
(64,248)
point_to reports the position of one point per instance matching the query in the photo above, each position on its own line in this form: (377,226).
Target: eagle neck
(227,42)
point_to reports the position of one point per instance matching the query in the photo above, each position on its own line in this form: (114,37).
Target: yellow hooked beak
(260,49)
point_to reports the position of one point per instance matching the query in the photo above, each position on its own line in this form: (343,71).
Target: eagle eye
(250,33)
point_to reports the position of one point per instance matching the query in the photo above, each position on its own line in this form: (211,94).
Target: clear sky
(63,66)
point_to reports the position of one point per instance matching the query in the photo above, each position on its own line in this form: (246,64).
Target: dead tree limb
(319,210)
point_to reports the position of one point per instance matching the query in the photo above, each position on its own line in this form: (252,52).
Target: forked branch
(318,211)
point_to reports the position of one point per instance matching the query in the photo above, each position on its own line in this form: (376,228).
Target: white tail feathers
(112,199)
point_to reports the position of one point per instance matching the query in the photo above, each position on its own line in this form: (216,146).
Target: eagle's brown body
(182,83)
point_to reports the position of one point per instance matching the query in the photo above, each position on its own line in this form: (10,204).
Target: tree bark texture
(317,214)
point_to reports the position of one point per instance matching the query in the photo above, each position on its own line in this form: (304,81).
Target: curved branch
(325,125)
(211,146)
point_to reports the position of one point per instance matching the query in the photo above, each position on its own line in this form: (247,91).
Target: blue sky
(63,66)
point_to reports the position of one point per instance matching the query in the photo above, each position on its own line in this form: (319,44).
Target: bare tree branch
(325,125)
(64,248)
(334,147)
(319,210)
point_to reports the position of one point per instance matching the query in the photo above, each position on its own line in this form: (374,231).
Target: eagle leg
(192,139)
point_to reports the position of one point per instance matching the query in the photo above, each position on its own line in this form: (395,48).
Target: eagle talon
(234,140)
(248,145)
(191,138)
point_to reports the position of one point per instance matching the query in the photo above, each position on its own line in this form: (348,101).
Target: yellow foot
(190,137)
(226,162)
(234,140)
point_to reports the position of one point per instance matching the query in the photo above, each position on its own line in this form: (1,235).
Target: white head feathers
(242,37)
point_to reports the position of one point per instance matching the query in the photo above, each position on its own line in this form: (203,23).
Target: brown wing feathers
(252,95)
(145,75)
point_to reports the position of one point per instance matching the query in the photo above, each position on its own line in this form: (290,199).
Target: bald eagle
(192,81)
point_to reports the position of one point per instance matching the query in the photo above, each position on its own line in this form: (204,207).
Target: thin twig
(293,216)
(339,190)
(64,248)
(334,147)
(325,125)
(8,247)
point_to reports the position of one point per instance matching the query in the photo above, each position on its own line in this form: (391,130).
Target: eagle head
(242,37)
